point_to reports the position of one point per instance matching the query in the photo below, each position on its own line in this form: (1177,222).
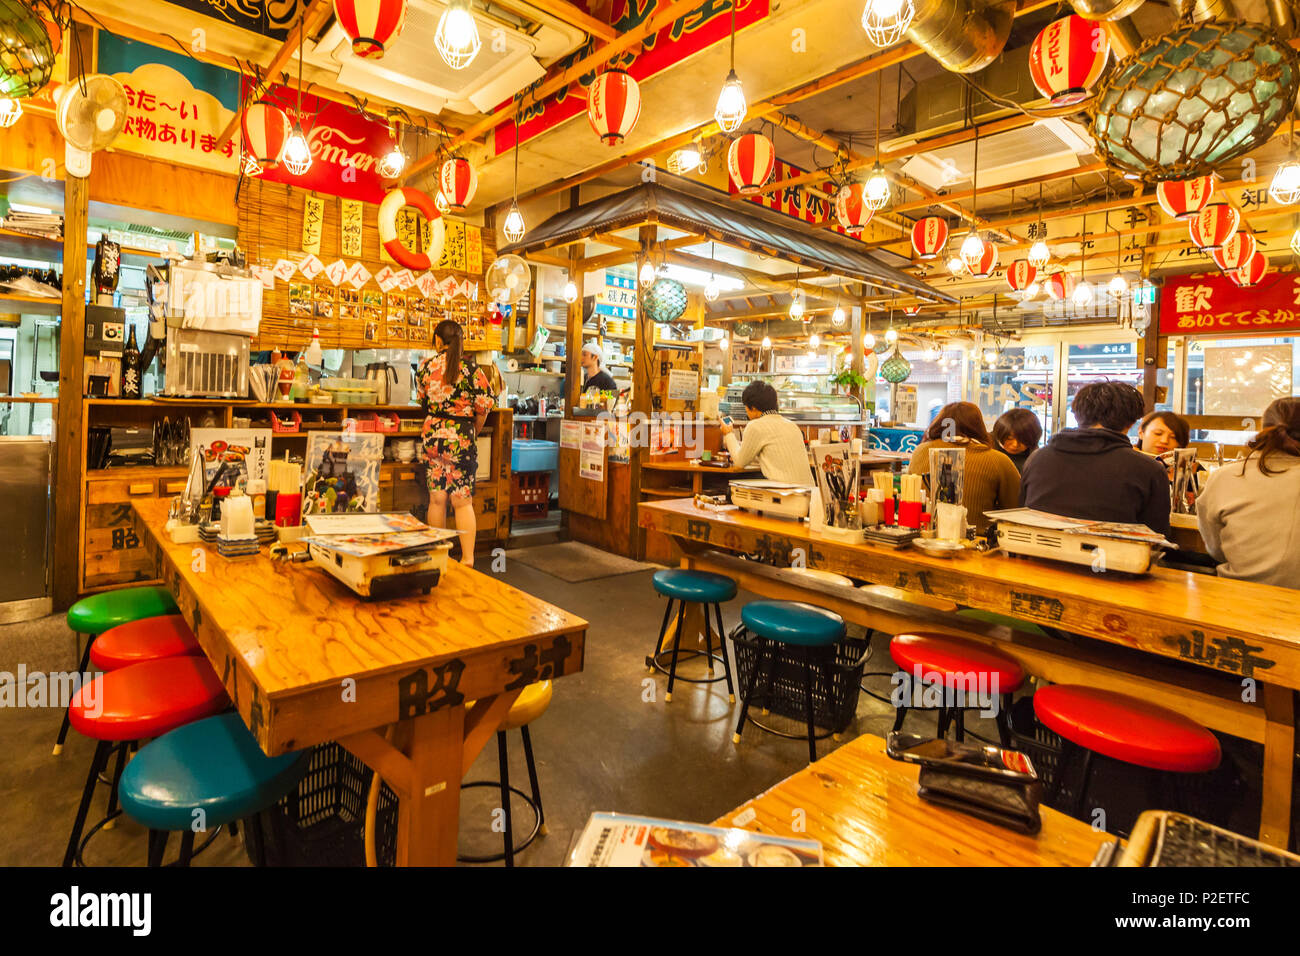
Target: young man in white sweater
(771,441)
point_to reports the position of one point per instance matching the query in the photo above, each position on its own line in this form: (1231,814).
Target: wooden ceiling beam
(756,278)
(566,13)
(618,242)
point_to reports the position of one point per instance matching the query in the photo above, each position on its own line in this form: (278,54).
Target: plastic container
(529,454)
(836,682)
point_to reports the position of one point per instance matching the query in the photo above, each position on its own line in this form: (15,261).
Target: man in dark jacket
(1094,471)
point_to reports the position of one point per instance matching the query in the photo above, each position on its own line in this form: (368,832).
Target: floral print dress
(448,435)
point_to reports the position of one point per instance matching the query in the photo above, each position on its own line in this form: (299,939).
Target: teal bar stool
(693,587)
(98,613)
(211,771)
(813,630)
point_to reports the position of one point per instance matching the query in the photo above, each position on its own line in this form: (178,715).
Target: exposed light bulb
(514,227)
(296,155)
(796,307)
(972,249)
(837,317)
(570,292)
(930,354)
(814,340)
(10,112)
(685,160)
(457,37)
(394,161)
(875,191)
(990,356)
(712,290)
(887,20)
(1295,242)
(868,341)
(955,265)
(891,336)
(1039,254)
(251,168)
(1082,295)
(647,274)
(1117,286)
(440,201)
(1285,186)
(731,108)
(1032,290)
(767,342)
(722,343)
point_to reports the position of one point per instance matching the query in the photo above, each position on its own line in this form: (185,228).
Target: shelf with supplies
(48,306)
(21,245)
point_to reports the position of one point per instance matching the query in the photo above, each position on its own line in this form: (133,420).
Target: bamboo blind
(270,217)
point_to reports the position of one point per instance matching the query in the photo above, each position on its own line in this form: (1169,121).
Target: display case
(802,398)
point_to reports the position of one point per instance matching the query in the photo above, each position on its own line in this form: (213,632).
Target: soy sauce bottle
(131,370)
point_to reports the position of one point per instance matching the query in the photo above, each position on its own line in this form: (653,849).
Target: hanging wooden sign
(350,228)
(313,223)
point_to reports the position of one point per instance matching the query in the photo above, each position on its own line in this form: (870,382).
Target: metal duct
(963,35)
(1105,9)
(1283,17)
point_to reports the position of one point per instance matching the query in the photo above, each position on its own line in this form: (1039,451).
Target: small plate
(938,547)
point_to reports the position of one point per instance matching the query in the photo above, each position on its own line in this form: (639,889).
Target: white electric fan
(90,113)
(508,280)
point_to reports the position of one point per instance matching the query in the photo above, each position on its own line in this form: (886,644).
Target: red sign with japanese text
(1212,305)
(346,147)
(707,24)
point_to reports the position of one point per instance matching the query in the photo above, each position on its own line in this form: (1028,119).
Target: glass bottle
(131,371)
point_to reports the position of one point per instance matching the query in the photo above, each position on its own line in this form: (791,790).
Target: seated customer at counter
(1016,434)
(1249,513)
(771,441)
(1093,471)
(991,480)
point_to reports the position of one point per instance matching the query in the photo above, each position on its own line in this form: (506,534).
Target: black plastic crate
(322,822)
(1042,745)
(834,706)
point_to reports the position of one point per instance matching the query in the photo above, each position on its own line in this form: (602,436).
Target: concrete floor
(608,741)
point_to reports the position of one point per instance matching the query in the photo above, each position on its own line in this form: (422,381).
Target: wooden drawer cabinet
(113,553)
(107,490)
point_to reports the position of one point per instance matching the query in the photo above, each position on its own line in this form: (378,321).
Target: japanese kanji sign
(1210,304)
(350,218)
(313,220)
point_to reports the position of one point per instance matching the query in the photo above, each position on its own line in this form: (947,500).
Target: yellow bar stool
(528,706)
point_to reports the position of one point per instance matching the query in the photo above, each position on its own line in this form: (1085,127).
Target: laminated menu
(613,839)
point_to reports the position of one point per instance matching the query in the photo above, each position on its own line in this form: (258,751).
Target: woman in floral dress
(455,407)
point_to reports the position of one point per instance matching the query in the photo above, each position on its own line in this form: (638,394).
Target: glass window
(1195,380)
(936,377)
(1017,376)
(1099,362)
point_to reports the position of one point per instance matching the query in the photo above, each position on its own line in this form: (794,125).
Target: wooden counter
(1243,638)
(863,808)
(305,660)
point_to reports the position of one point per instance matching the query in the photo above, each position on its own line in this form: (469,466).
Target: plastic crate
(834,707)
(529,454)
(322,823)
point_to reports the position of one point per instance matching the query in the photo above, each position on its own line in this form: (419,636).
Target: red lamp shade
(1059,286)
(929,235)
(750,161)
(370,24)
(265,129)
(911,310)
(851,207)
(457,182)
(1252,272)
(987,262)
(1067,58)
(1020,274)
(1185,198)
(613,106)
(1213,226)
(1236,252)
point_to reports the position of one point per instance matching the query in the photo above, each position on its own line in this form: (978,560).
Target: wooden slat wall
(270,228)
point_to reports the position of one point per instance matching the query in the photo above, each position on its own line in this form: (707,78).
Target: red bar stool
(1124,728)
(136,703)
(956,663)
(149,639)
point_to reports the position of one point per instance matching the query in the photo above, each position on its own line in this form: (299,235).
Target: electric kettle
(380,373)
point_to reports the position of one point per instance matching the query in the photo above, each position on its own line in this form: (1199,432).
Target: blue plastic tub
(530,454)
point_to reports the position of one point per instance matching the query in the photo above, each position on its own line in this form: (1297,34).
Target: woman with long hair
(456,394)
(1016,434)
(1249,514)
(991,480)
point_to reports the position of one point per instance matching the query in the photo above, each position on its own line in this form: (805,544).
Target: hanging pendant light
(972,247)
(251,168)
(887,20)
(10,111)
(875,191)
(440,202)
(570,290)
(837,317)
(767,342)
(1118,285)
(394,161)
(814,341)
(955,264)
(712,289)
(731,109)
(1285,186)
(296,155)
(647,274)
(1039,254)
(457,37)
(1082,294)
(514,226)
(1295,242)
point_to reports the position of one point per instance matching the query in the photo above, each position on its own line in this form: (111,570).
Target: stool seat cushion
(97,613)
(213,765)
(1127,728)
(792,622)
(528,706)
(147,699)
(952,658)
(702,586)
(148,639)
(1006,620)
(829,577)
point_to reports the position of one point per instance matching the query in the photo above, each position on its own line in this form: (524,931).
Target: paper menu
(1104,529)
(613,839)
(386,523)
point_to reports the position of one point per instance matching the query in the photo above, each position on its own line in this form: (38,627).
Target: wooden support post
(1279,761)
(573,336)
(642,353)
(1153,359)
(70,432)
(855,347)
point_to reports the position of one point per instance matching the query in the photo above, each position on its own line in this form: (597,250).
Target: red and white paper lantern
(1059,286)
(265,128)
(1066,59)
(1186,197)
(370,24)
(613,106)
(1236,252)
(1213,226)
(1020,274)
(929,235)
(750,161)
(987,262)
(1252,273)
(851,207)
(457,182)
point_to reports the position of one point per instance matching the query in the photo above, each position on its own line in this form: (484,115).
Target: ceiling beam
(566,13)
(317,12)
(761,280)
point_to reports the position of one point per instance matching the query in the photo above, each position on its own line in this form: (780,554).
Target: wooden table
(1247,632)
(305,661)
(696,471)
(864,809)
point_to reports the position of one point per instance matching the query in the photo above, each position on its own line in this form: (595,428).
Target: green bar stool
(98,613)
(708,590)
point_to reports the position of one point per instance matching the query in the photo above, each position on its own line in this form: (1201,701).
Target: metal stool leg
(532,779)
(97,765)
(747,697)
(157,846)
(503,760)
(945,718)
(663,629)
(1002,718)
(81,669)
(187,848)
(1085,773)
(726,661)
(766,693)
(808,706)
(959,718)
(708,639)
(112,790)
(677,643)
